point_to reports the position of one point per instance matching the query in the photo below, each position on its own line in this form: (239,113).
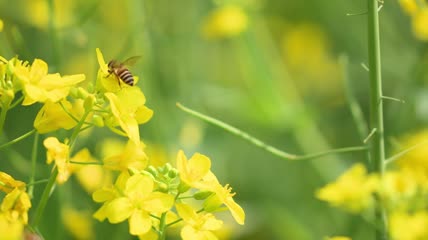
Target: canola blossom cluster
(149,197)
(402,191)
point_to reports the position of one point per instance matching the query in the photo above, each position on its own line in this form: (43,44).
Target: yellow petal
(119,210)
(185,211)
(139,184)
(158,202)
(38,69)
(236,210)
(104,194)
(101,213)
(143,114)
(101,62)
(52,117)
(139,223)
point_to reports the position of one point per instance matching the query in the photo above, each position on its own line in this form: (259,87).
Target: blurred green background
(278,78)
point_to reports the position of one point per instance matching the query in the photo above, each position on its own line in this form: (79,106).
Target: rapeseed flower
(128,110)
(8,183)
(308,56)
(59,153)
(409,6)
(225,21)
(16,205)
(196,173)
(39,86)
(135,202)
(398,189)
(9,228)
(53,116)
(352,191)
(415,160)
(193,171)
(127,103)
(1,25)
(132,157)
(420,24)
(224,195)
(198,226)
(405,226)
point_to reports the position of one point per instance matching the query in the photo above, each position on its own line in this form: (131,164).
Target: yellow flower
(16,205)
(398,188)
(196,173)
(91,177)
(58,152)
(39,86)
(224,195)
(8,183)
(226,21)
(78,223)
(106,81)
(415,159)
(132,157)
(307,53)
(352,191)
(128,110)
(1,25)
(36,13)
(404,226)
(136,202)
(198,226)
(10,229)
(409,6)
(193,171)
(52,116)
(420,24)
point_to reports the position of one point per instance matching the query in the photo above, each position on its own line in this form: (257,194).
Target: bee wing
(131,61)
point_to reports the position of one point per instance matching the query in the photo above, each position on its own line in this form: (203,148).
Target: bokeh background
(269,67)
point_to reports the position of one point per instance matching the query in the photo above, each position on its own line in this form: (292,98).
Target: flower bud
(173,173)
(89,103)
(98,121)
(201,195)
(183,187)
(152,170)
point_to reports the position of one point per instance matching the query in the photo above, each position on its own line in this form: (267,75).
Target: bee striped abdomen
(126,76)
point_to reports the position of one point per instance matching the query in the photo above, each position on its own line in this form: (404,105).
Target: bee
(121,72)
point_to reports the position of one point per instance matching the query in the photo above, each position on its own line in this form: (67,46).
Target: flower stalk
(377,149)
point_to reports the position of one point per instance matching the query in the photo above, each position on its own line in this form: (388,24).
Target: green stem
(33,165)
(162,227)
(51,183)
(377,150)
(68,113)
(86,163)
(275,151)
(38,182)
(77,129)
(332,151)
(18,139)
(3,114)
(44,199)
(14,104)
